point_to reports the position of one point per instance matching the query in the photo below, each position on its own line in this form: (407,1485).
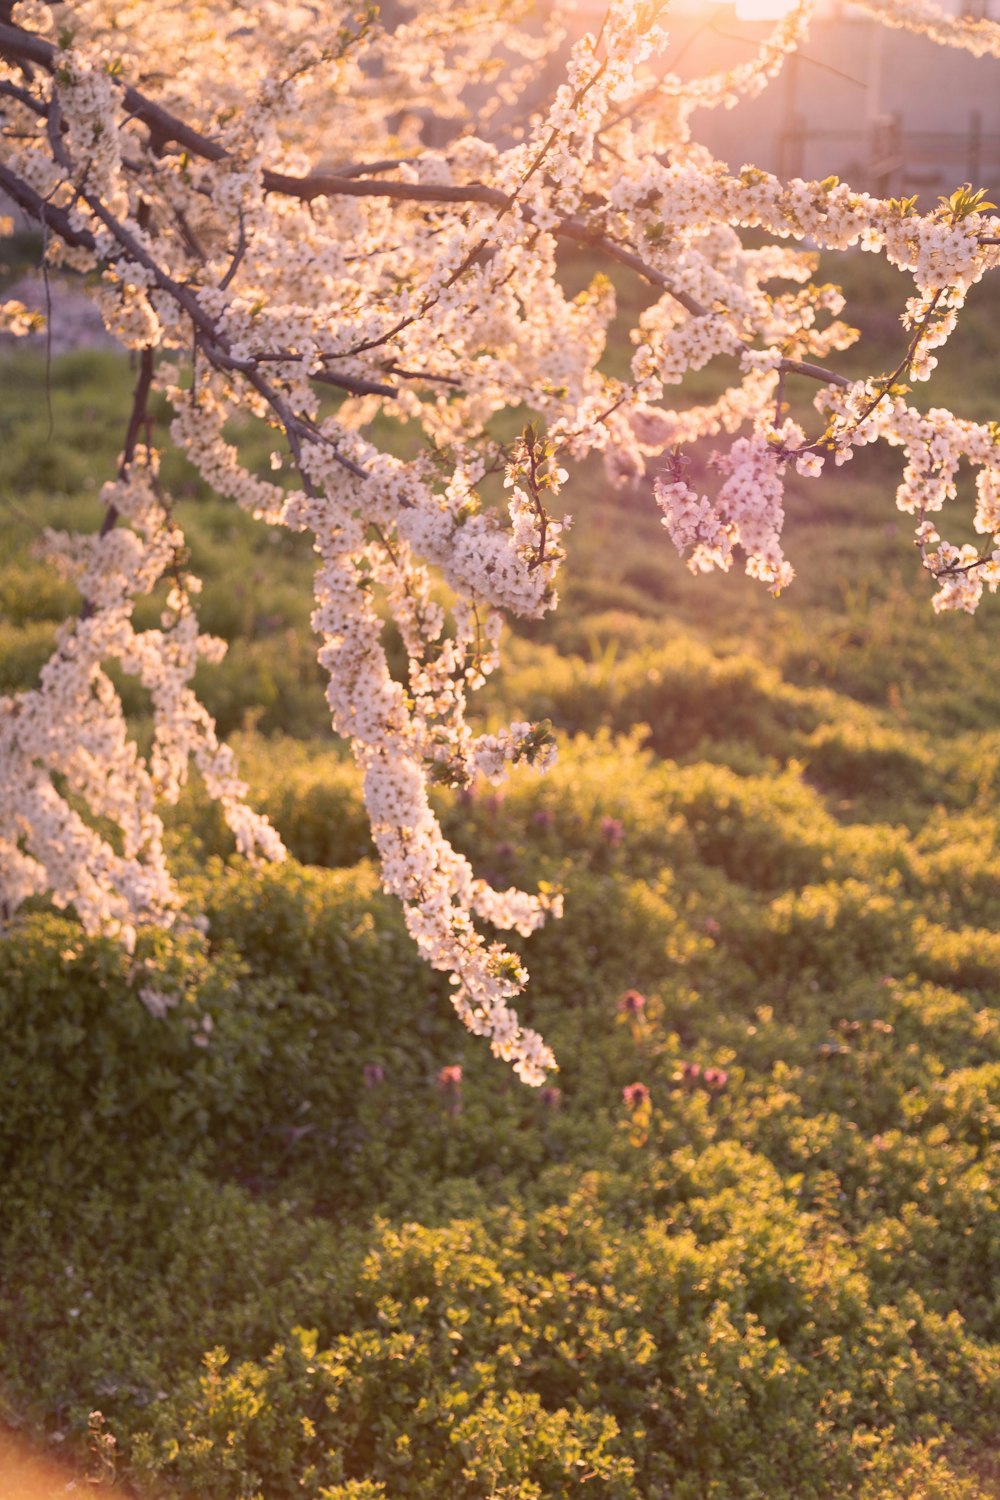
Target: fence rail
(887,158)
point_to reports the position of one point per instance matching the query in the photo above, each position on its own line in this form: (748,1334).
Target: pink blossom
(636,1095)
(631,1003)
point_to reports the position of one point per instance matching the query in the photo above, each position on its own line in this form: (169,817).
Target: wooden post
(791,144)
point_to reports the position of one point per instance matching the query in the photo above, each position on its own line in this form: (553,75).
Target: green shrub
(746,1245)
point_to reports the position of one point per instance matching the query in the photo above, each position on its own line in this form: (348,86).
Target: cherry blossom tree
(246,190)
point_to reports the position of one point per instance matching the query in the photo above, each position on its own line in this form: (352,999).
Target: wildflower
(449,1081)
(832,1048)
(631,1003)
(636,1095)
(373,1074)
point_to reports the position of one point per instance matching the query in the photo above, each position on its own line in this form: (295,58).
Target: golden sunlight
(762,10)
(30,1475)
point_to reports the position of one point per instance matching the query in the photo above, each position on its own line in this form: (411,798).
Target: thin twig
(239,253)
(138,419)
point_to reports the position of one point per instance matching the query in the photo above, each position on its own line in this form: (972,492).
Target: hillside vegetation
(289,1252)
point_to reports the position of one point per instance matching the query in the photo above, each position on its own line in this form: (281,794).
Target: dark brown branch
(138,419)
(189,236)
(22,46)
(423,375)
(238,254)
(318,185)
(540,511)
(370,168)
(136,251)
(904,364)
(299,427)
(56,219)
(779,396)
(954,570)
(182,295)
(814,372)
(12,91)
(354,384)
(575,229)
(333,185)
(165,127)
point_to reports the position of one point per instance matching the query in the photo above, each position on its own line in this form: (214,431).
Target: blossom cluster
(66,746)
(747,512)
(264,218)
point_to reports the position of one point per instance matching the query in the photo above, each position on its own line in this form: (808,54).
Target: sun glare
(28,1475)
(761,10)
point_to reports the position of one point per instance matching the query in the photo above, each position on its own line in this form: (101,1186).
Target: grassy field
(776,824)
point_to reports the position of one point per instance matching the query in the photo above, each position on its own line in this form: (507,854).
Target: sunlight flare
(762,10)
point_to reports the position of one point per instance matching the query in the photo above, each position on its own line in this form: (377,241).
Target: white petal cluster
(747,513)
(68,763)
(273,221)
(976,34)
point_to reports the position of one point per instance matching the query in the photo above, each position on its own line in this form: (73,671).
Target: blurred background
(890,112)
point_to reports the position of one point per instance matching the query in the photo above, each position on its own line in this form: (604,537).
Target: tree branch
(138,418)
(21,46)
(814,372)
(56,219)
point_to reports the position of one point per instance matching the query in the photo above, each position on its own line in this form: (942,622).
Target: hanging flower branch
(171,155)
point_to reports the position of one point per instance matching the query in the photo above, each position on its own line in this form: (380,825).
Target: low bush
(295,1234)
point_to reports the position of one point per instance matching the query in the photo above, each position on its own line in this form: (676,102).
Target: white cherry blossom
(248,189)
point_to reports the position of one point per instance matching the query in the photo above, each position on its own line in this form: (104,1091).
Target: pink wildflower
(613,831)
(635,1095)
(631,1003)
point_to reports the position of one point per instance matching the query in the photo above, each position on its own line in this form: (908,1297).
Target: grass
(283,1259)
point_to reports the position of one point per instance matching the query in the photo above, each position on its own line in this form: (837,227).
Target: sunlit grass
(774,820)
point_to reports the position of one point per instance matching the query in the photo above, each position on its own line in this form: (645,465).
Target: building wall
(884,109)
